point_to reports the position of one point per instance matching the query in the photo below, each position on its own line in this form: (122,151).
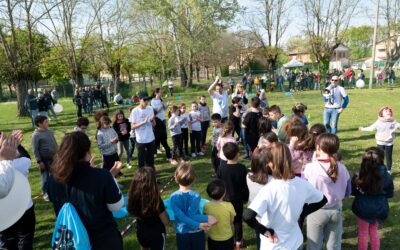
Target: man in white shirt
(336,101)
(142,121)
(220,98)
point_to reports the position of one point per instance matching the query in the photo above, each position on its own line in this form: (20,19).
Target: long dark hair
(143,196)
(73,149)
(329,144)
(259,168)
(264,126)
(309,142)
(118,112)
(369,178)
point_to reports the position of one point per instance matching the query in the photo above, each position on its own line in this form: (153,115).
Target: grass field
(362,111)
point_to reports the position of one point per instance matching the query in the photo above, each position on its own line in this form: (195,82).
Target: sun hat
(15,194)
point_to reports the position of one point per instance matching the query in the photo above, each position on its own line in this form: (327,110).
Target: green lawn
(361,111)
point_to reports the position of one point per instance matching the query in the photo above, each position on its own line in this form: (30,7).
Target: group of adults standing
(42,104)
(87,97)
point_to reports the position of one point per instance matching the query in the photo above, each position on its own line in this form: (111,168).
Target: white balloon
(360,84)
(58,108)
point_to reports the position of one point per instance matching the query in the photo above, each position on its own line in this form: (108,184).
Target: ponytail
(228,129)
(333,170)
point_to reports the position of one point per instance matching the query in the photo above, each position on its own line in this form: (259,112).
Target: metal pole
(371,76)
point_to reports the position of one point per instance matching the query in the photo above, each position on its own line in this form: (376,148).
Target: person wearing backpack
(93,192)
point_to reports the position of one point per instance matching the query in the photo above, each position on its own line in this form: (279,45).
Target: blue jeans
(34,113)
(331,118)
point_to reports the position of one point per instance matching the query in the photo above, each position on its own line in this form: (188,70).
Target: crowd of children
(296,173)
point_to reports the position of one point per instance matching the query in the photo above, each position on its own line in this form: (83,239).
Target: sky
(365,16)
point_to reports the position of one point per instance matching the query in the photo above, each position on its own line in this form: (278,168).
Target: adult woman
(93,191)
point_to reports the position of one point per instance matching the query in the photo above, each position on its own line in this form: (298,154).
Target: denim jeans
(331,118)
(34,113)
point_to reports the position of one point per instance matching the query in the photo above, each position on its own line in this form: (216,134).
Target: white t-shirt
(254,187)
(144,133)
(280,204)
(158,105)
(220,103)
(193,116)
(336,96)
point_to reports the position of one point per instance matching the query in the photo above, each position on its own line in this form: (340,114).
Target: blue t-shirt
(185,206)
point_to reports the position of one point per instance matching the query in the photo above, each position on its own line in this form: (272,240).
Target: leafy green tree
(359,40)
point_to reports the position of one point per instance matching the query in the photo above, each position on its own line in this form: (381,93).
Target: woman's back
(89,190)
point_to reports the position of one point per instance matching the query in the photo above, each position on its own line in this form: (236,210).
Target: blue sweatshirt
(185,206)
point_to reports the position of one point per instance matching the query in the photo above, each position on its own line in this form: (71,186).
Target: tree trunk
(197,72)
(1,92)
(116,75)
(22,92)
(207,76)
(190,69)
(65,90)
(10,89)
(77,78)
(183,74)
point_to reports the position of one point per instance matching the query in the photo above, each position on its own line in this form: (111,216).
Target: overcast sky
(365,16)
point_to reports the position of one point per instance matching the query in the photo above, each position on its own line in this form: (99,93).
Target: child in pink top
(302,142)
(225,137)
(330,177)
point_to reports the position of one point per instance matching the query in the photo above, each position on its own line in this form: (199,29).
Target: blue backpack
(69,232)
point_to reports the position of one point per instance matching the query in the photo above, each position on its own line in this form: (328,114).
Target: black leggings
(177,150)
(215,159)
(204,127)
(185,140)
(109,161)
(220,245)
(195,139)
(20,234)
(388,155)
(161,138)
(236,126)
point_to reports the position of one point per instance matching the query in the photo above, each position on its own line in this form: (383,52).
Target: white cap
(15,194)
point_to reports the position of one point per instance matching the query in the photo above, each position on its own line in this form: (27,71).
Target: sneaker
(238,245)
(174,162)
(129,166)
(46,197)
(193,155)
(201,154)
(159,151)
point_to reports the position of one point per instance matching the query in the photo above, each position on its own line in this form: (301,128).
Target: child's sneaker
(46,197)
(174,162)
(201,154)
(193,155)
(129,166)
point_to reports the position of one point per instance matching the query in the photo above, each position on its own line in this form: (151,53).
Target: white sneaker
(46,197)
(159,151)
(129,166)
(201,154)
(193,154)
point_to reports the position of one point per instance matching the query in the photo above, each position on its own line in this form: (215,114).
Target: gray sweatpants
(325,225)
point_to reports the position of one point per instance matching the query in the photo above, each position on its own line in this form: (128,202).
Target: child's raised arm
(370,128)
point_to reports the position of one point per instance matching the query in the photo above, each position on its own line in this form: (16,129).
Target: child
(275,114)
(189,223)
(250,123)
(281,202)
(371,188)
(234,176)
(300,144)
(185,129)
(331,177)
(268,140)
(205,124)
(195,133)
(235,114)
(225,137)
(259,176)
(385,128)
(174,125)
(44,147)
(107,139)
(160,134)
(81,125)
(220,236)
(217,129)
(122,126)
(145,204)
(299,111)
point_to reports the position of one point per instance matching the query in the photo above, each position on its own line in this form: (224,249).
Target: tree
(191,22)
(326,22)
(23,46)
(359,40)
(391,14)
(70,25)
(269,26)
